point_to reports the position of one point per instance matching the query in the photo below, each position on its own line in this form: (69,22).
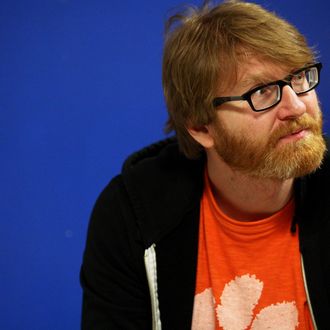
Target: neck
(244,197)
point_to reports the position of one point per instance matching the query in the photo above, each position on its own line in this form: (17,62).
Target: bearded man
(226,225)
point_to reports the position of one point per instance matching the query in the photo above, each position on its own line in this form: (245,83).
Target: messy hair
(202,52)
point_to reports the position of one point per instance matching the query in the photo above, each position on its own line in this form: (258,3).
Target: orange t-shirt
(249,273)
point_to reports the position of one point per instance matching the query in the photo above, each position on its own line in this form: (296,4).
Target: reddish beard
(271,159)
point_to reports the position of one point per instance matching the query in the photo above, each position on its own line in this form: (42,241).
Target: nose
(291,105)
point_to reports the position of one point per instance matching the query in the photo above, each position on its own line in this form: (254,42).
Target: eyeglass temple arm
(219,100)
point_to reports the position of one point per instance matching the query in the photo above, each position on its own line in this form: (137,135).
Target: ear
(202,135)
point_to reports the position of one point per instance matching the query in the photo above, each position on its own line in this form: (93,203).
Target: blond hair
(202,52)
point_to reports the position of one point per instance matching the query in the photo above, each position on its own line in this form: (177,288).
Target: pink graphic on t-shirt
(235,311)
(238,299)
(203,316)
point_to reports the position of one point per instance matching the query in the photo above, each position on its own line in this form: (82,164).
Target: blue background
(80,88)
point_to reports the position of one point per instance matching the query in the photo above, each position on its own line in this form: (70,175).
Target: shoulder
(111,217)
(157,187)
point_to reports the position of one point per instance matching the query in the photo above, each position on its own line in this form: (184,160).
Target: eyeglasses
(266,96)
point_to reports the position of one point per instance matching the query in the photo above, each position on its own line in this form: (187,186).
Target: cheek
(254,131)
(255,126)
(312,105)
(235,119)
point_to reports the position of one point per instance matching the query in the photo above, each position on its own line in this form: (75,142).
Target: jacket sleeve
(115,289)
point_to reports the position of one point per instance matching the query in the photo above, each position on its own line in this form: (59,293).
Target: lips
(297,133)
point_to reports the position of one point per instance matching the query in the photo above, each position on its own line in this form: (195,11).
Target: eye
(264,94)
(264,91)
(299,77)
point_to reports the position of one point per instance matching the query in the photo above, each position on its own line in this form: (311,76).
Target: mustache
(314,125)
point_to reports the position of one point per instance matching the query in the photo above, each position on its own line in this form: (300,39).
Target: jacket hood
(163,186)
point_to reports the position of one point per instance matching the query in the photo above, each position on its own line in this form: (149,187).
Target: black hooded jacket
(156,200)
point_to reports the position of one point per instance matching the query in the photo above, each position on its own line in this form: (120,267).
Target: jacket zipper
(307,293)
(151,271)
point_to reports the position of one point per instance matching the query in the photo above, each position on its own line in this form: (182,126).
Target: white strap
(307,293)
(151,270)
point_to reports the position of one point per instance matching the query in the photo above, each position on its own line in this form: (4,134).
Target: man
(227,225)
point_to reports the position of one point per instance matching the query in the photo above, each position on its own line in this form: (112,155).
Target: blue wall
(80,88)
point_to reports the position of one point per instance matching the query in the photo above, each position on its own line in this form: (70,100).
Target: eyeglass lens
(266,96)
(269,95)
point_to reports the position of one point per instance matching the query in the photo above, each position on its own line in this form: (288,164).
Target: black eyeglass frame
(281,83)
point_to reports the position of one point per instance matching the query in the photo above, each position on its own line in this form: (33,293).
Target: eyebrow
(254,79)
(260,79)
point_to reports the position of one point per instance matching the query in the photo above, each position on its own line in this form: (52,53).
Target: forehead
(254,71)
